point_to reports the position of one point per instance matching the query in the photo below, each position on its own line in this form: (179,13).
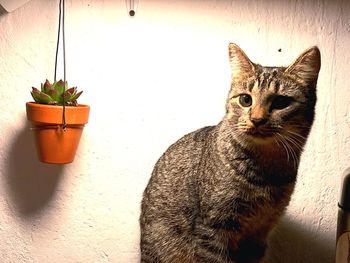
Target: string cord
(58,39)
(61,14)
(61,27)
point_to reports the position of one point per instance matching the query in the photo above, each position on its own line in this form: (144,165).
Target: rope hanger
(61,16)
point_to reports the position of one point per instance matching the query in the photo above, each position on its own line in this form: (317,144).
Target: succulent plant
(56,93)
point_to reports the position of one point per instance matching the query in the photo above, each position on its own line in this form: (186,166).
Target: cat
(216,193)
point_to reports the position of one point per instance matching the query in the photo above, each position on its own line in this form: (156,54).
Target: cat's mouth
(260,133)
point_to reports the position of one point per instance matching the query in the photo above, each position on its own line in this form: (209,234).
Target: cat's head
(272,104)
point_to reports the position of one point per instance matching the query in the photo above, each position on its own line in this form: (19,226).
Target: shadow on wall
(30,183)
(291,242)
(2,11)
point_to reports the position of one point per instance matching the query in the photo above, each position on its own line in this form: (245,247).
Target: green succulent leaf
(35,90)
(76,96)
(41,97)
(46,87)
(69,94)
(71,91)
(56,93)
(59,87)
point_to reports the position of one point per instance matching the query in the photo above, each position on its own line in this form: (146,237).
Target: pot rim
(53,114)
(36,104)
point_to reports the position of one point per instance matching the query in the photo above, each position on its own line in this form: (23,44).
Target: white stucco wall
(149,80)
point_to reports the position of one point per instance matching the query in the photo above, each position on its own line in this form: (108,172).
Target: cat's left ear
(307,66)
(239,61)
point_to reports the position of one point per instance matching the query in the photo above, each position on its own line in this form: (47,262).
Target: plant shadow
(291,242)
(2,11)
(30,184)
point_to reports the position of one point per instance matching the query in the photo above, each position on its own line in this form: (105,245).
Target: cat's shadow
(291,242)
(30,184)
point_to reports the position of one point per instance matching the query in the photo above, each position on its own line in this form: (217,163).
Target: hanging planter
(57,119)
(54,143)
(57,129)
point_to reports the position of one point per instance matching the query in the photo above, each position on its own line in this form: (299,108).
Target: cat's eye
(245,100)
(281,102)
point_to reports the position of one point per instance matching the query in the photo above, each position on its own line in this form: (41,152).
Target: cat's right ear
(307,66)
(239,61)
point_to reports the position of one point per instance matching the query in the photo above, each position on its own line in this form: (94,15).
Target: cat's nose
(258,121)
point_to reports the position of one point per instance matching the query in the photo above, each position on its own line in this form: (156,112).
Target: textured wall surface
(149,80)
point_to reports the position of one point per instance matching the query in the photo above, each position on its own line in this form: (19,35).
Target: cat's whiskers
(280,139)
(288,144)
(299,144)
(294,147)
(299,126)
(303,138)
(264,132)
(295,142)
(241,127)
(277,141)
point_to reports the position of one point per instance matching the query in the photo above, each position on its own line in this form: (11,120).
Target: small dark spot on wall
(280,50)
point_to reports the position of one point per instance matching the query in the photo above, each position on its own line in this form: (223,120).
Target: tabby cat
(217,192)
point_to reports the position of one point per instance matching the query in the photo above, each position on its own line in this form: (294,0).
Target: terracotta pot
(55,144)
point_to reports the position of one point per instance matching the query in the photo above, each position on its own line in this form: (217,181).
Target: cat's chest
(244,211)
(251,194)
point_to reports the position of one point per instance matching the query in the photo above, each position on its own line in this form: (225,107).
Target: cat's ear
(239,61)
(307,66)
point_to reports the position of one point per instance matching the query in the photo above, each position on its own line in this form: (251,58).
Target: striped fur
(215,194)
